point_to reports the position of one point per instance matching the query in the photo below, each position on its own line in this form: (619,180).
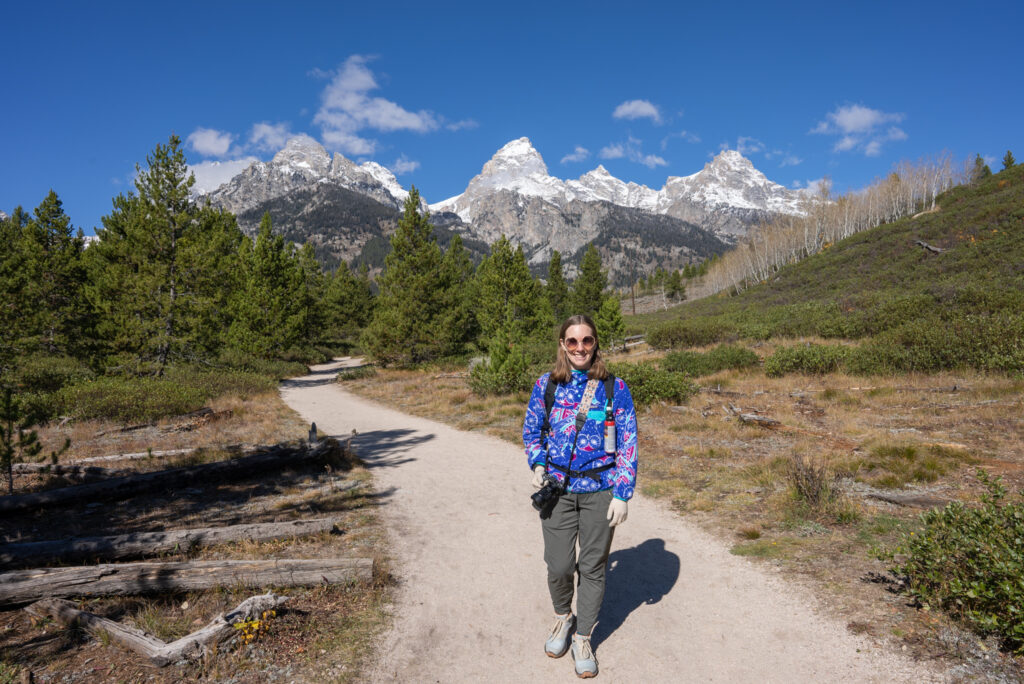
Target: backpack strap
(549,403)
(609,392)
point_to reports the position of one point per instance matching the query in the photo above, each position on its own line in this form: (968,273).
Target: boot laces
(560,624)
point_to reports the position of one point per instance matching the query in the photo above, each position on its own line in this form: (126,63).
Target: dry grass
(864,434)
(324,633)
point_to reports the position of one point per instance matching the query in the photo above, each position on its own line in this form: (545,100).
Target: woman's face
(579,344)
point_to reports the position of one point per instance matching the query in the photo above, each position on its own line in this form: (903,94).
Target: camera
(544,498)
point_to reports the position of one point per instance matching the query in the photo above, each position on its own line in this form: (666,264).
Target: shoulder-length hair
(563,369)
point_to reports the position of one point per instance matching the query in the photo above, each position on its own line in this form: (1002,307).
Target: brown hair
(563,369)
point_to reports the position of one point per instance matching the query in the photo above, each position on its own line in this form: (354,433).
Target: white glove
(538,476)
(617,512)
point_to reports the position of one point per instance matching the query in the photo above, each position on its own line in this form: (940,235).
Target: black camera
(544,498)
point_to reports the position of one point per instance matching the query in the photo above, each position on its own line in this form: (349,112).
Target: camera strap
(581,419)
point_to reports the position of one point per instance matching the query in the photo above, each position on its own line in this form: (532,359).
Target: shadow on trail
(386,448)
(324,376)
(638,576)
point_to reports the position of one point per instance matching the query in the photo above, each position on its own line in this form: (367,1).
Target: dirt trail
(473,604)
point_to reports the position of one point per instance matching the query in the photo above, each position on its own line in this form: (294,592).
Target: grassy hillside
(912,308)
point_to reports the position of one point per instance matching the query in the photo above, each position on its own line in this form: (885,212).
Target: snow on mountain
(3,216)
(729,182)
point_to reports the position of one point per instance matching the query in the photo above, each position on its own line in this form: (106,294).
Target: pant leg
(560,531)
(595,537)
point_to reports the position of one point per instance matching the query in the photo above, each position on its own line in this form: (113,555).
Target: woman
(595,475)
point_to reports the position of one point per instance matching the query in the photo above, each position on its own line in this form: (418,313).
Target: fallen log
(25,586)
(119,488)
(219,630)
(763,421)
(930,248)
(136,455)
(140,544)
(76,472)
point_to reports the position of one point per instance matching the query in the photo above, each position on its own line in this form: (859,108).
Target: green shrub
(814,359)
(894,466)
(648,384)
(46,373)
(970,562)
(357,373)
(130,400)
(506,371)
(277,369)
(722,357)
(696,332)
(212,383)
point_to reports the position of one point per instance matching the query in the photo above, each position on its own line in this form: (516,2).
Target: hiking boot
(583,654)
(558,642)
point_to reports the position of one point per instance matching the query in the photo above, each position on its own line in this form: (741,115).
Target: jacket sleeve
(533,422)
(625,442)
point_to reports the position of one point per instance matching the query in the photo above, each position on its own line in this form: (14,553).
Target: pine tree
(17,440)
(1008,160)
(408,311)
(146,265)
(674,287)
(347,304)
(457,325)
(271,309)
(980,171)
(610,326)
(510,304)
(13,281)
(588,288)
(557,291)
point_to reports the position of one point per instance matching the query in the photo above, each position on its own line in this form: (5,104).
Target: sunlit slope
(884,284)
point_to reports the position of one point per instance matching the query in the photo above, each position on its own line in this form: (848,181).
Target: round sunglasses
(572,344)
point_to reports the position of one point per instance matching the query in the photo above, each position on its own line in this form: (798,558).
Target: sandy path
(473,604)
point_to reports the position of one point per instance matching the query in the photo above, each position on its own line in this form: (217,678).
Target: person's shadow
(635,577)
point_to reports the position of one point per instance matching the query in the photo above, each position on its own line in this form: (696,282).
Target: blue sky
(433,89)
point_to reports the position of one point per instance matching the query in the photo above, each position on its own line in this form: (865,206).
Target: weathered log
(136,455)
(930,248)
(909,500)
(76,472)
(25,586)
(217,631)
(141,544)
(118,488)
(755,419)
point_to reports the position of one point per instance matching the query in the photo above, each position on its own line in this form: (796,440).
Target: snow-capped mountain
(302,164)
(3,216)
(726,195)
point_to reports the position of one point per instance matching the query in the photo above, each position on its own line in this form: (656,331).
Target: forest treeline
(172,303)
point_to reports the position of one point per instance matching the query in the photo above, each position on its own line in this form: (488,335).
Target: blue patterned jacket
(590,445)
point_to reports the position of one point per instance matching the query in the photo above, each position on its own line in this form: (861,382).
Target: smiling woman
(580,438)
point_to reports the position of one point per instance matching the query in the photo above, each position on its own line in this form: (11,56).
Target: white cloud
(616,151)
(404,165)
(797,184)
(812,187)
(688,136)
(347,108)
(459,125)
(790,160)
(210,175)
(860,128)
(631,150)
(210,142)
(577,155)
(269,137)
(746,145)
(637,109)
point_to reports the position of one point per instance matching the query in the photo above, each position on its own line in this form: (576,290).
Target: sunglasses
(588,342)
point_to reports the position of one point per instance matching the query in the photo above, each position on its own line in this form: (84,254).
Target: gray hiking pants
(584,517)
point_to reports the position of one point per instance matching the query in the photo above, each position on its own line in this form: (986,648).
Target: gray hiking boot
(558,642)
(583,654)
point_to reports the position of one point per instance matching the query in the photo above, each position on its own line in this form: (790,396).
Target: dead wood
(221,629)
(908,500)
(119,488)
(136,455)
(930,248)
(75,472)
(25,586)
(141,544)
(763,421)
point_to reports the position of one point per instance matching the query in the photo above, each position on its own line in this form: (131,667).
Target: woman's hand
(538,476)
(617,512)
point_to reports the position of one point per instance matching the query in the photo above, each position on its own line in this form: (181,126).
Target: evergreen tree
(1008,160)
(457,325)
(980,170)
(588,288)
(13,281)
(409,309)
(271,309)
(347,304)
(610,326)
(674,287)
(557,291)
(510,304)
(146,267)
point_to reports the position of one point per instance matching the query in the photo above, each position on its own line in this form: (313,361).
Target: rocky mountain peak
(518,158)
(303,153)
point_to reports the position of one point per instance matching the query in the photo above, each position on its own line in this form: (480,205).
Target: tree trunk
(140,544)
(219,630)
(120,488)
(25,586)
